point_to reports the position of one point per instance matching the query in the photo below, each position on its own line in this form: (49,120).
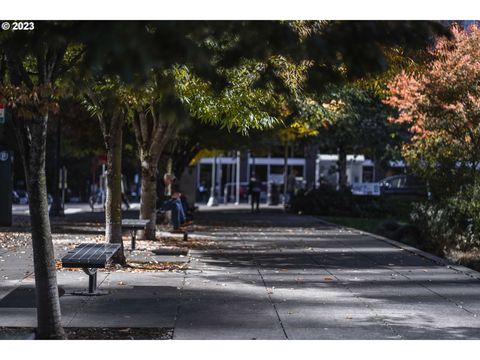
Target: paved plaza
(267,275)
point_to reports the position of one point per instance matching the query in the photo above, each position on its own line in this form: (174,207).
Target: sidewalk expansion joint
(270,299)
(257,266)
(179,306)
(367,305)
(408,278)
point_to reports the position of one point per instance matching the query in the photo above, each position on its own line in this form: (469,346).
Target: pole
(285,170)
(228,180)
(212,201)
(57,209)
(232,177)
(237,175)
(219,167)
(64,185)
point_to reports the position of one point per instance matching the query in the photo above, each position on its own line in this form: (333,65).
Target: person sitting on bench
(174,203)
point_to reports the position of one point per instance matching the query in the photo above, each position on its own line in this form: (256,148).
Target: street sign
(366,189)
(62,178)
(4,155)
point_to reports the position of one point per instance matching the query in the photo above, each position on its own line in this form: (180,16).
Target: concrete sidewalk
(270,276)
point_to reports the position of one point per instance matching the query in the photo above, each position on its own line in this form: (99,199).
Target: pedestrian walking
(254,189)
(292,185)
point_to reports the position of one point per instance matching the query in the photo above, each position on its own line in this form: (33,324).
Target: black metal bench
(90,257)
(134,225)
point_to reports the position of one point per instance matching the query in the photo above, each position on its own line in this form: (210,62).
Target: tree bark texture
(32,143)
(32,137)
(112,129)
(152,132)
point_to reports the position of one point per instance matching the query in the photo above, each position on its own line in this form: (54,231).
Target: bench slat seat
(90,257)
(133,225)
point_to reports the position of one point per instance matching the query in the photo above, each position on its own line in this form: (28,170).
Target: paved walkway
(271,276)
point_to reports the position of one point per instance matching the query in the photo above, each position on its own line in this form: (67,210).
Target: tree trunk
(152,132)
(148,199)
(47,300)
(113,204)
(32,138)
(342,168)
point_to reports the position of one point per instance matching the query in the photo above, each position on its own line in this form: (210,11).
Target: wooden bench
(134,225)
(90,257)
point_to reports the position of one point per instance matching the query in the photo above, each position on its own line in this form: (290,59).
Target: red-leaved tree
(440,101)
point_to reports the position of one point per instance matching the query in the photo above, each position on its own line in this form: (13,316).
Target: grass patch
(365,224)
(470,259)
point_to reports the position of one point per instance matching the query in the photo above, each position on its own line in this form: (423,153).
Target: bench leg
(92,284)
(134,237)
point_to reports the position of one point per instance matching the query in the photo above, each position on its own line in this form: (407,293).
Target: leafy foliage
(452,223)
(238,105)
(440,103)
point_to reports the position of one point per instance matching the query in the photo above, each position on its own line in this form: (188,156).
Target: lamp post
(285,176)
(237,175)
(212,201)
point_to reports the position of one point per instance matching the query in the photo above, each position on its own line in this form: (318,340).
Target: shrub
(327,201)
(324,201)
(452,223)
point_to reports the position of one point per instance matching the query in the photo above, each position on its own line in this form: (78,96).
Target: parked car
(403,185)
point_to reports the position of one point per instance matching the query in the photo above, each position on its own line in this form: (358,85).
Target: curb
(438,260)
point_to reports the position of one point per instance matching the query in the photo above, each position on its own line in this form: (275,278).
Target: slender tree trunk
(47,300)
(152,132)
(148,200)
(113,204)
(342,168)
(162,170)
(32,137)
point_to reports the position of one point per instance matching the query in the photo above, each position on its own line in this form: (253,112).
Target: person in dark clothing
(254,189)
(174,203)
(292,185)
